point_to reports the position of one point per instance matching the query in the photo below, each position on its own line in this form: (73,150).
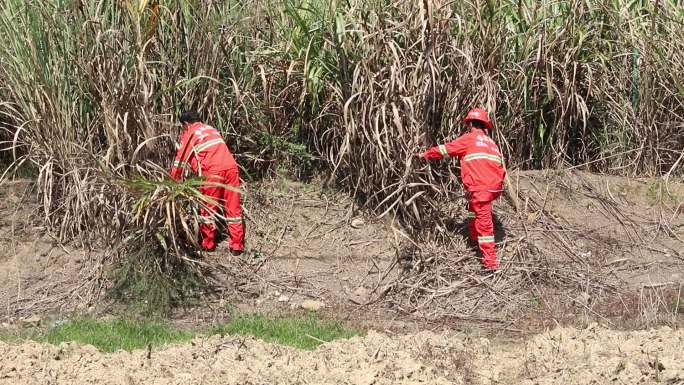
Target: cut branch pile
(576,261)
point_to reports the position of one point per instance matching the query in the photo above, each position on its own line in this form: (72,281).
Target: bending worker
(203,150)
(482,174)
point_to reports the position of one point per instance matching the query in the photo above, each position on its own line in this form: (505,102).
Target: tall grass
(90,88)
(570,83)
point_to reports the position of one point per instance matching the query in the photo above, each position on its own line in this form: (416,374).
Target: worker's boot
(489,272)
(489,264)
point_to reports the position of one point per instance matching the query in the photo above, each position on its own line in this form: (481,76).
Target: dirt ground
(614,245)
(309,245)
(622,239)
(36,271)
(562,356)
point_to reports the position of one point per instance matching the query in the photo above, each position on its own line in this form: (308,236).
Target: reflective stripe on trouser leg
(233,211)
(485,233)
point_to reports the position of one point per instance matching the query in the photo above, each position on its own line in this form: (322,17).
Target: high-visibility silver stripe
(482,155)
(233,219)
(204,146)
(485,239)
(180,164)
(443,150)
(471,214)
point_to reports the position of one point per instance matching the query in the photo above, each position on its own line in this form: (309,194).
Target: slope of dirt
(633,226)
(314,244)
(623,236)
(581,246)
(36,272)
(305,245)
(562,356)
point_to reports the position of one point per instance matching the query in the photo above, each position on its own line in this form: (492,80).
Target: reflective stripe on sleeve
(443,150)
(470,214)
(180,164)
(233,219)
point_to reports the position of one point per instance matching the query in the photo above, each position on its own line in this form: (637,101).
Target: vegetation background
(90,91)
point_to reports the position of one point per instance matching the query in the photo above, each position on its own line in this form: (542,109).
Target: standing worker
(482,174)
(203,150)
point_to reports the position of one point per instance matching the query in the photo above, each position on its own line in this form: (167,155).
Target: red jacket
(481,161)
(202,149)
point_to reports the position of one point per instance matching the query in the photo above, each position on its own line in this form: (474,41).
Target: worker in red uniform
(482,174)
(203,150)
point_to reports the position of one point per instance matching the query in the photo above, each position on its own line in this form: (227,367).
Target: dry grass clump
(156,254)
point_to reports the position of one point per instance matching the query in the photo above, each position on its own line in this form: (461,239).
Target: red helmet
(481,115)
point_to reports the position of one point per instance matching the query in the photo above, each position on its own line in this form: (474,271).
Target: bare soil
(612,248)
(634,225)
(582,248)
(37,273)
(562,356)
(623,236)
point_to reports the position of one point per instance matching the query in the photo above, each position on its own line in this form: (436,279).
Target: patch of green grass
(112,335)
(120,334)
(303,333)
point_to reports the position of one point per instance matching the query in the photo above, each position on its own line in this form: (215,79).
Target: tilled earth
(563,356)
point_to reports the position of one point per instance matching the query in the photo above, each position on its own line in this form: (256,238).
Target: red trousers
(481,225)
(230,200)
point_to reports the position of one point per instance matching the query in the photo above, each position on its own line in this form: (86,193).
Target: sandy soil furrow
(561,356)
